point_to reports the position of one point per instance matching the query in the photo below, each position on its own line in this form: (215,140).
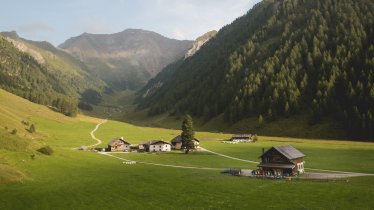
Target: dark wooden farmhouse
(118,144)
(282,161)
(176,143)
(241,138)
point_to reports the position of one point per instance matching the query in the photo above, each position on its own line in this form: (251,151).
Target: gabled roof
(241,135)
(118,139)
(153,142)
(179,139)
(288,151)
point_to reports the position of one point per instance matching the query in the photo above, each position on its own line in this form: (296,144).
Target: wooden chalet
(281,161)
(118,144)
(157,146)
(241,138)
(176,143)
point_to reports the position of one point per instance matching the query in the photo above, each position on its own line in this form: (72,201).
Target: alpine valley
(274,110)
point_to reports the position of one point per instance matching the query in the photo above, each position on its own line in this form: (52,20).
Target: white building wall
(160,148)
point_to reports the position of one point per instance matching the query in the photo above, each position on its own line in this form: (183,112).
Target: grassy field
(71,179)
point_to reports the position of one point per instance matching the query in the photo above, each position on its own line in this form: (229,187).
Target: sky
(57,20)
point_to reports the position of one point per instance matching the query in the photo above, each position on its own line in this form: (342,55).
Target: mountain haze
(42,73)
(282,59)
(128,59)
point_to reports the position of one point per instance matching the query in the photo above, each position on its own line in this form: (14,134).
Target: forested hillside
(283,58)
(55,79)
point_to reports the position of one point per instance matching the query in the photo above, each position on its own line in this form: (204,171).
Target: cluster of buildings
(278,161)
(119,144)
(241,138)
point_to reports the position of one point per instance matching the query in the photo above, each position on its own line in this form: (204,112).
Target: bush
(25,122)
(47,150)
(14,131)
(255,138)
(32,128)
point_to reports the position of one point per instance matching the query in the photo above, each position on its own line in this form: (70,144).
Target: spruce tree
(188,133)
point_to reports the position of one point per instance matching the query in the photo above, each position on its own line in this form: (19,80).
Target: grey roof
(288,151)
(156,142)
(241,135)
(116,139)
(179,139)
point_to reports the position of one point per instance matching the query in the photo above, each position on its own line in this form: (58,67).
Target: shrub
(14,131)
(32,128)
(47,150)
(255,138)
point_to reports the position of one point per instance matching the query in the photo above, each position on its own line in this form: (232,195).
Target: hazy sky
(57,20)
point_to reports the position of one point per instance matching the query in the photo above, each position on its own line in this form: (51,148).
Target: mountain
(199,42)
(155,83)
(128,59)
(43,74)
(281,60)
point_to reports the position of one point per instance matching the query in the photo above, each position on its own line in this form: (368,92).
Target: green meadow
(71,179)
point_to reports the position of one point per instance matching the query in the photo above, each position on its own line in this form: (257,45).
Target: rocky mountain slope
(199,42)
(155,83)
(128,59)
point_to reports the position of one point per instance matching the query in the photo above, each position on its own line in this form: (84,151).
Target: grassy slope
(83,180)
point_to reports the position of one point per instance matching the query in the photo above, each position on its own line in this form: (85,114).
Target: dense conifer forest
(281,59)
(22,75)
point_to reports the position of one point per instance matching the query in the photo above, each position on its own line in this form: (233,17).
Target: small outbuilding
(242,138)
(157,146)
(176,143)
(118,144)
(282,161)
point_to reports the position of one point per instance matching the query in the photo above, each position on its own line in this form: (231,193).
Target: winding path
(340,174)
(93,134)
(226,156)
(158,164)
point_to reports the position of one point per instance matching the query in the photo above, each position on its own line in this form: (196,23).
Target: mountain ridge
(126,59)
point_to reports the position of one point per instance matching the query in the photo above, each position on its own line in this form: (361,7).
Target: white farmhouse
(158,146)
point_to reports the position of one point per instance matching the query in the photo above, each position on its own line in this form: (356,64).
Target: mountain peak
(199,42)
(127,57)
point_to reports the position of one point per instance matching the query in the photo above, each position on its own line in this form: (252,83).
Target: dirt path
(325,173)
(93,134)
(158,164)
(226,156)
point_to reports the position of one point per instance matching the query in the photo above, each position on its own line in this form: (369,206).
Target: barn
(241,138)
(118,144)
(282,161)
(176,143)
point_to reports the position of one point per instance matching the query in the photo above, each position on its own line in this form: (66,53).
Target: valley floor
(71,179)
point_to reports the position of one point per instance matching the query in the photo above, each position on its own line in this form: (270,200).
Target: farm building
(157,146)
(176,143)
(282,161)
(118,144)
(241,138)
(138,147)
